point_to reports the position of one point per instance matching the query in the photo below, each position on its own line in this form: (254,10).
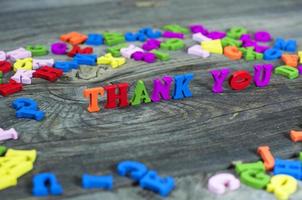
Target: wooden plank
(183,138)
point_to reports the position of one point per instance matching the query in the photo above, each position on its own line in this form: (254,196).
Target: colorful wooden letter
(92,94)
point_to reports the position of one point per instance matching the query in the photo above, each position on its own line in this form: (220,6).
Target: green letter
(140,94)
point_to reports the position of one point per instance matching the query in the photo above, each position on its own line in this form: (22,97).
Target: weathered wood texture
(185,139)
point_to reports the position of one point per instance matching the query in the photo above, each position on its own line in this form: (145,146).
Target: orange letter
(267,157)
(296,136)
(290,60)
(92,94)
(74,38)
(232,52)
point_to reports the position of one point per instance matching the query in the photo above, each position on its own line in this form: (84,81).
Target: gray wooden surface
(186,139)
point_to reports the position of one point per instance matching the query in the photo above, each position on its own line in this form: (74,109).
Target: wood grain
(182,138)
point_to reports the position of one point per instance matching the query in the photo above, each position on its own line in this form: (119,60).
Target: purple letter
(161,89)
(266,74)
(219,76)
(59,48)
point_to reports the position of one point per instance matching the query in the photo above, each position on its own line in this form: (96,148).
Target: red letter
(48,73)
(5,66)
(76,49)
(122,96)
(10,88)
(240,80)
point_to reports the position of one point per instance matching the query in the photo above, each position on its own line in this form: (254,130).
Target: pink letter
(128,51)
(23,76)
(2,56)
(8,134)
(220,182)
(198,37)
(18,54)
(198,51)
(37,63)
